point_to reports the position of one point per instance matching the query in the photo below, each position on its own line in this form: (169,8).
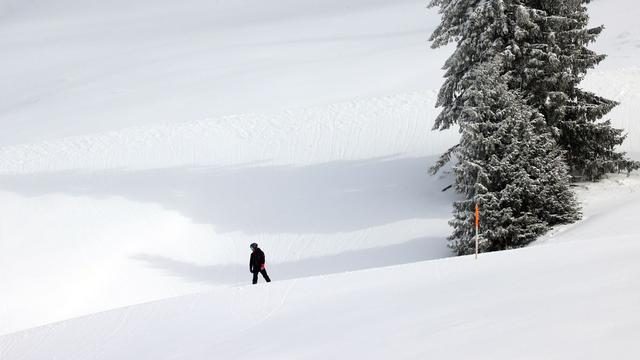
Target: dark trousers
(264,275)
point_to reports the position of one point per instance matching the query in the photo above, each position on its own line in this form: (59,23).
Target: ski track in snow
(397,125)
(265,138)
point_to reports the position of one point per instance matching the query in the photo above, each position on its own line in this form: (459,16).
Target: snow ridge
(397,124)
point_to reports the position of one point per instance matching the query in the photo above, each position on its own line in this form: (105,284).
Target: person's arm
(251,263)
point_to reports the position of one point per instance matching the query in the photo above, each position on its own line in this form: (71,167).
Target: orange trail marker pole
(477,227)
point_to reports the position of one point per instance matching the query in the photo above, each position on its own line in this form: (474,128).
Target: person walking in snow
(256,263)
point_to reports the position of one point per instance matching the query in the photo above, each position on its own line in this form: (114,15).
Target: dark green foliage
(510,158)
(544,51)
(548,63)
(508,164)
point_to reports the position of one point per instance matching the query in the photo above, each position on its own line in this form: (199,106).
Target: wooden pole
(477,227)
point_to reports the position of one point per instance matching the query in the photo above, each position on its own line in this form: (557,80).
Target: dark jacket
(256,261)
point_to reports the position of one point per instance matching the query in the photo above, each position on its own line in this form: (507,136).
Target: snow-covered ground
(150,142)
(575,299)
(78,66)
(145,144)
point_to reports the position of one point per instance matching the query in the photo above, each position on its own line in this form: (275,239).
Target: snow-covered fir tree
(507,163)
(506,158)
(544,51)
(478,27)
(549,60)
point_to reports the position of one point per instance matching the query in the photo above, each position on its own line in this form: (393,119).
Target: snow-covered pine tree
(506,159)
(544,44)
(548,62)
(482,29)
(478,27)
(507,163)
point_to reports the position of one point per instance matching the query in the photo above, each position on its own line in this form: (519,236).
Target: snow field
(123,64)
(162,210)
(569,300)
(145,146)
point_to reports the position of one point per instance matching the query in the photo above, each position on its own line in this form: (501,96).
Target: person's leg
(264,275)
(255,277)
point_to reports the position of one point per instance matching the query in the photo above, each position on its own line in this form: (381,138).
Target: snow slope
(79,66)
(157,211)
(146,143)
(151,142)
(569,300)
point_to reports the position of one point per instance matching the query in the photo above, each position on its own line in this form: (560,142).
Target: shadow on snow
(324,198)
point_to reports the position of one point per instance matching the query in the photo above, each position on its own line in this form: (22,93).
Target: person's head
(253,246)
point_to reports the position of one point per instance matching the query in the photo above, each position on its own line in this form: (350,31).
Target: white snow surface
(571,297)
(145,144)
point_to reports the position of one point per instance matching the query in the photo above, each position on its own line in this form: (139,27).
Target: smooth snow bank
(570,300)
(574,296)
(610,209)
